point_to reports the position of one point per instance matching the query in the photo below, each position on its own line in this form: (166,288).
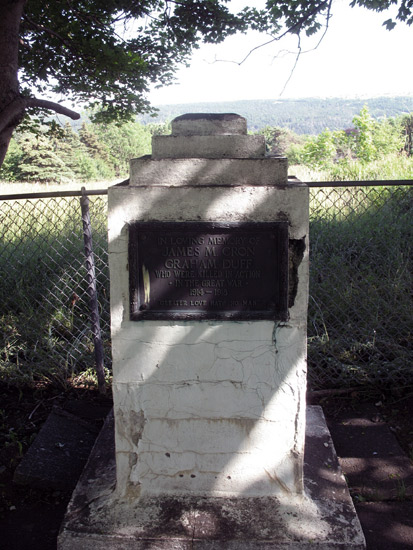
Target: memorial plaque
(204,270)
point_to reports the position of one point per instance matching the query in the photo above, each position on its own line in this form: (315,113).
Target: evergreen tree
(10,170)
(67,146)
(125,142)
(40,162)
(407,130)
(93,145)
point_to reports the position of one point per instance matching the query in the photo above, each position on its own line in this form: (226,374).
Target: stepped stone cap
(208,135)
(209,124)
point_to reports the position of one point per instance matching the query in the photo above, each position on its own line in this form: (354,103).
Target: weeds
(361,276)
(44,316)
(389,167)
(360,310)
(401,490)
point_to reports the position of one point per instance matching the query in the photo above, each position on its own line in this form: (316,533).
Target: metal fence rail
(44,311)
(360,322)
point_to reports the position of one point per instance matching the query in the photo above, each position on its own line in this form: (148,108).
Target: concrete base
(325,518)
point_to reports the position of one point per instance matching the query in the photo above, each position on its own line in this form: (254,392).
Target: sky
(357,57)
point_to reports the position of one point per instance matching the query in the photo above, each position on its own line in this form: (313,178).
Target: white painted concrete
(204,124)
(221,146)
(208,407)
(198,172)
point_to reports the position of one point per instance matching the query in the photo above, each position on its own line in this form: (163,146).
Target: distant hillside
(303,116)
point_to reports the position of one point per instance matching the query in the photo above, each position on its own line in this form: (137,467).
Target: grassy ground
(44,315)
(388,167)
(361,276)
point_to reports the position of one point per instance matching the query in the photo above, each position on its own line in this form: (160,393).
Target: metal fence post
(91,289)
(360,315)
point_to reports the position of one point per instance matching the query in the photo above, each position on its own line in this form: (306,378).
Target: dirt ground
(30,518)
(395,407)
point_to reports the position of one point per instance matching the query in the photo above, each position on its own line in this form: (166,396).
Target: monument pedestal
(324,517)
(208,257)
(208,262)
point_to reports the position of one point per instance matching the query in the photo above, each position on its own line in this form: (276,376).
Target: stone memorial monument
(208,255)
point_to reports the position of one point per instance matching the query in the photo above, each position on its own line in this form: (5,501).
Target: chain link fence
(44,316)
(360,322)
(360,328)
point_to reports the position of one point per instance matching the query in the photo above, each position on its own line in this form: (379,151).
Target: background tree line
(369,149)
(91,153)
(102,151)
(302,115)
(106,55)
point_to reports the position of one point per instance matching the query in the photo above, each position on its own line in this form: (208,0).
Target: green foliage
(361,255)
(373,139)
(90,140)
(404,10)
(10,169)
(360,313)
(391,167)
(308,116)
(388,136)
(371,150)
(279,141)
(107,54)
(319,151)
(44,317)
(159,128)
(407,126)
(124,142)
(95,152)
(40,162)
(364,129)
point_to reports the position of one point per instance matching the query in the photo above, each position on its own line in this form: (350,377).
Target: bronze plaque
(192,270)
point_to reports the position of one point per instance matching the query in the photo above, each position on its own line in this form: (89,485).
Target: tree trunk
(11,105)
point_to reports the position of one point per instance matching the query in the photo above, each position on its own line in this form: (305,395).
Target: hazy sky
(357,57)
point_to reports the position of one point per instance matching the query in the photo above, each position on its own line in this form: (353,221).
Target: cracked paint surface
(207,407)
(216,408)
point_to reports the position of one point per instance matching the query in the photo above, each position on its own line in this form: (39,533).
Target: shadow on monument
(209,413)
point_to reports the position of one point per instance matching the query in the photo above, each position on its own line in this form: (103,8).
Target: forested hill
(303,116)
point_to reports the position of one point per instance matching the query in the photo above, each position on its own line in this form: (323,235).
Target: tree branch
(300,52)
(28,23)
(68,44)
(13,112)
(289,30)
(297,57)
(51,106)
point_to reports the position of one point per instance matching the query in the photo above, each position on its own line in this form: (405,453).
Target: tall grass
(15,188)
(361,280)
(44,324)
(389,167)
(360,326)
